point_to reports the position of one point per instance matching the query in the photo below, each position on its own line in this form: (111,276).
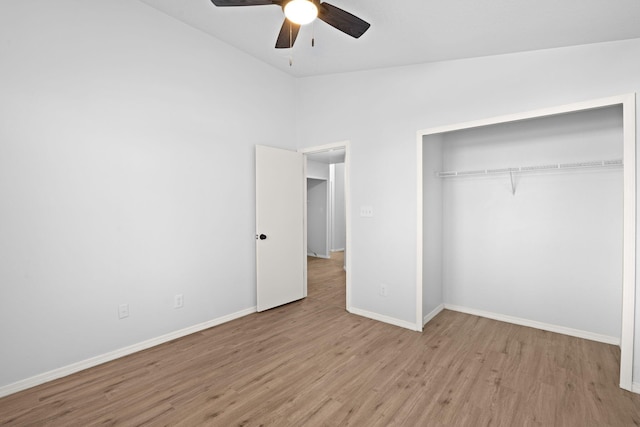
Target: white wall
(380,111)
(126,176)
(552,252)
(338,217)
(432,223)
(317,170)
(317,210)
(317,217)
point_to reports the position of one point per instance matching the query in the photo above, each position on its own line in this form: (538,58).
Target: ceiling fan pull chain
(313,34)
(290,45)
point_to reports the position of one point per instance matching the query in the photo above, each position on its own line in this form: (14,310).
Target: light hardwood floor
(326,280)
(311,363)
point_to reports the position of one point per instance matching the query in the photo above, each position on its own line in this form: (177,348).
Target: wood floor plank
(312,363)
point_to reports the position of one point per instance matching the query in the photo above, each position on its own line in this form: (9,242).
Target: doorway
(429,289)
(327,236)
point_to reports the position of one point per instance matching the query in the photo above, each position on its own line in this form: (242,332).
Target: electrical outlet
(366,211)
(178,301)
(383,290)
(123,311)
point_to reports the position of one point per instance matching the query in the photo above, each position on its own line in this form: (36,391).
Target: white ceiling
(329,156)
(407,32)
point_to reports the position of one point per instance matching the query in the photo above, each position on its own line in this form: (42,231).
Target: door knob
(263,237)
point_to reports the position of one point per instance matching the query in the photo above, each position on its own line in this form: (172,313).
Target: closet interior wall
(546,246)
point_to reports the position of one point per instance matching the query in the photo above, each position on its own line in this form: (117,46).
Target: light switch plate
(366,211)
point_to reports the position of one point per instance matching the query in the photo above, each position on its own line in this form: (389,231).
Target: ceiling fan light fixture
(301,12)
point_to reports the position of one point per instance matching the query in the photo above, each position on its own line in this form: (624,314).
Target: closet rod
(539,168)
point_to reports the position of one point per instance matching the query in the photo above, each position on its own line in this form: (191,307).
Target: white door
(280,185)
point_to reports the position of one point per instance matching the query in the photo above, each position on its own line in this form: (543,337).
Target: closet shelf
(538,168)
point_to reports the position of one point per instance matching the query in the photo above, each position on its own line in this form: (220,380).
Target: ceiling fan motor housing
(283,3)
(334,16)
(301,12)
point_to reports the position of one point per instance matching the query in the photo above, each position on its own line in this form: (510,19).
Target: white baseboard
(433,314)
(337,250)
(318,256)
(116,354)
(385,319)
(537,325)
(635,388)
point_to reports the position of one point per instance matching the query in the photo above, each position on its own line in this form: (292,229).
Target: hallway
(327,279)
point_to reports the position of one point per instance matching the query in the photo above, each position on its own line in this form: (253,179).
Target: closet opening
(530,219)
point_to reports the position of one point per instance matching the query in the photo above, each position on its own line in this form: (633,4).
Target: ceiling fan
(301,12)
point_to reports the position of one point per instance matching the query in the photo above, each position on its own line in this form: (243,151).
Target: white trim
(629,242)
(311,254)
(347,206)
(305,241)
(331,208)
(535,324)
(433,314)
(385,319)
(116,354)
(543,112)
(628,102)
(635,387)
(420,233)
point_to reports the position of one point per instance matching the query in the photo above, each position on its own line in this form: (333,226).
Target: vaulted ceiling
(407,32)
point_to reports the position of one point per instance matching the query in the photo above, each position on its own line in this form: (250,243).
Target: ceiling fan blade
(288,34)
(342,20)
(245,2)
